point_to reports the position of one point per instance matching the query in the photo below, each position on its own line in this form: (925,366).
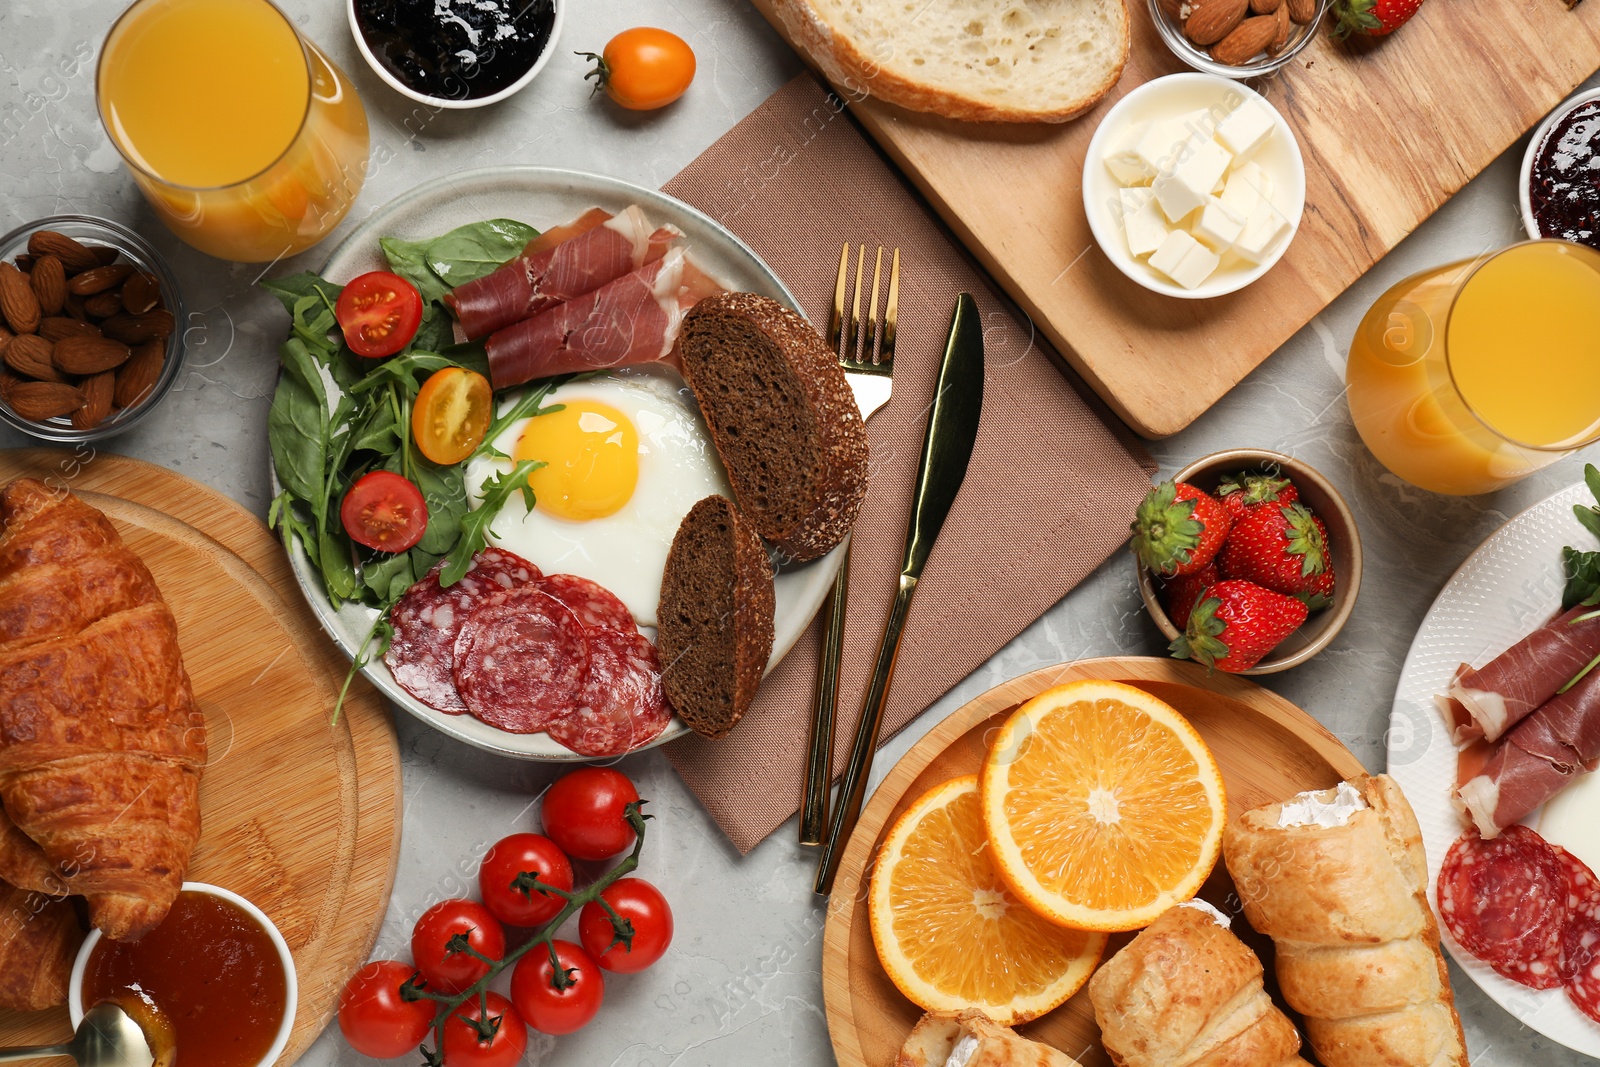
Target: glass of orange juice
(1467,377)
(247,140)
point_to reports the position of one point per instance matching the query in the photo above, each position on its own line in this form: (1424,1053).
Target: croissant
(101,743)
(39,939)
(1187,993)
(1338,880)
(972,1039)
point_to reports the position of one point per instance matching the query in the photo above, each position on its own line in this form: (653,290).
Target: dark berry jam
(456,49)
(1564,186)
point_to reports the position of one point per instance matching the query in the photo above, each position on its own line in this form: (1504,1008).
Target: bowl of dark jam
(1561,173)
(456,53)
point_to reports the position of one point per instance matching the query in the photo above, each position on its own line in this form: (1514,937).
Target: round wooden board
(1268,750)
(299,814)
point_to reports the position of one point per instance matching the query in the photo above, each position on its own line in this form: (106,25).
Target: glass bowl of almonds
(1237,38)
(89,328)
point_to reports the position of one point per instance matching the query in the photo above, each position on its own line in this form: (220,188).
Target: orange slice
(1103,806)
(949,933)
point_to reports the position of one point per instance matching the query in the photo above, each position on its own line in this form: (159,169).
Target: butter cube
(1219,225)
(1245,128)
(1184,260)
(1142,221)
(1245,188)
(1125,163)
(1189,185)
(1262,231)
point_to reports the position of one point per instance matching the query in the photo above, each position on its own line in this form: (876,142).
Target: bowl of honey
(216,978)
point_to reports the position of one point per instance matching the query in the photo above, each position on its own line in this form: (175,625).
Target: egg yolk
(591,456)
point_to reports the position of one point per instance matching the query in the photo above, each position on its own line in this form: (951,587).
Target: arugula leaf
(295,287)
(469,252)
(525,407)
(1582,571)
(1589,514)
(403,370)
(475,525)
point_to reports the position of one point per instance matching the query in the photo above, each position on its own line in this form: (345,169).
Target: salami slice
(521,659)
(1505,902)
(622,705)
(1580,937)
(428,618)
(594,605)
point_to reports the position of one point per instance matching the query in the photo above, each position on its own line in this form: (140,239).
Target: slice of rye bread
(715,619)
(782,418)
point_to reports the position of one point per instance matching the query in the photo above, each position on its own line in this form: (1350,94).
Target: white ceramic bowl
(1172,96)
(446,102)
(1528,157)
(292,986)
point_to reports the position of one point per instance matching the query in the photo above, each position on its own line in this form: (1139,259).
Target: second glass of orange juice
(247,140)
(1467,377)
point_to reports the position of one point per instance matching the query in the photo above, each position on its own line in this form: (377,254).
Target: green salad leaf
(1582,570)
(475,525)
(469,252)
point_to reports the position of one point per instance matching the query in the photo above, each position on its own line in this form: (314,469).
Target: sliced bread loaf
(715,619)
(975,60)
(782,418)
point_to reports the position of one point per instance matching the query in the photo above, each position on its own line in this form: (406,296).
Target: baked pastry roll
(972,1039)
(39,939)
(1338,880)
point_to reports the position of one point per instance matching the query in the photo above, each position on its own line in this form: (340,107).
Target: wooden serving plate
(1268,750)
(299,814)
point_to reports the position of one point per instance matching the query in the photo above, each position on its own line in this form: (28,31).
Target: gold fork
(866,352)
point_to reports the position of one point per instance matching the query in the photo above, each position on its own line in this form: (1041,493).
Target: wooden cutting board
(1390,130)
(1268,750)
(299,814)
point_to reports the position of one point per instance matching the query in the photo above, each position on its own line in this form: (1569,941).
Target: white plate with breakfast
(1478,738)
(595,317)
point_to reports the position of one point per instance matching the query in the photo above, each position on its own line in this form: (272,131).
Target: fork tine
(872,309)
(851,341)
(836,320)
(890,313)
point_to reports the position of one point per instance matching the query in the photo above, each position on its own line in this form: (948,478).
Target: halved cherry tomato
(376,1019)
(464,1046)
(384,512)
(379,313)
(557,1011)
(644,68)
(451,414)
(642,904)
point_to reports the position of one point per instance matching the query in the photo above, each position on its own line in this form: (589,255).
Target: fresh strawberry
(1181,592)
(1237,624)
(1373,18)
(1250,489)
(1178,529)
(1284,548)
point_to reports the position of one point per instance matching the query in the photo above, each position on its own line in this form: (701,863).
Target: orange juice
(245,138)
(1467,377)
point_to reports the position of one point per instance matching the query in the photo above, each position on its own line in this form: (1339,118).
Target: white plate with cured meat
(545,197)
(1507,589)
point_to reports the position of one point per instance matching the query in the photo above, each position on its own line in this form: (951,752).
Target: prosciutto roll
(595,249)
(1496,697)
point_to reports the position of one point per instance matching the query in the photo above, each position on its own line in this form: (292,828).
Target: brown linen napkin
(1048,494)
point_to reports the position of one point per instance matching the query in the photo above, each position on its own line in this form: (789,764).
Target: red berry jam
(1564,186)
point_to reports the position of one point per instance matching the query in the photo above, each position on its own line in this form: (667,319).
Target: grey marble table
(742,982)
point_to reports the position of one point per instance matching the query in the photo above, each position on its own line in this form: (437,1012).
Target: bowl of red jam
(456,53)
(1561,173)
(216,975)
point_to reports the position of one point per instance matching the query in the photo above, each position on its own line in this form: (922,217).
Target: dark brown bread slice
(782,418)
(715,620)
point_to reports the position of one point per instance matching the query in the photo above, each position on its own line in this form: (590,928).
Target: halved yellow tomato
(451,414)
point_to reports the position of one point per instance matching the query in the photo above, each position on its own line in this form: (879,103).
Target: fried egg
(625,459)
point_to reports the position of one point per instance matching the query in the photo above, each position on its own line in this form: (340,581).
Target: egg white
(627,550)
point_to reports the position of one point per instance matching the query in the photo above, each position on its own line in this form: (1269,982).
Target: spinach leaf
(475,525)
(297,424)
(478,248)
(445,492)
(409,260)
(388,577)
(295,287)
(1582,571)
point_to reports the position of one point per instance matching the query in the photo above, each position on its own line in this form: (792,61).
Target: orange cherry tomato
(644,68)
(451,414)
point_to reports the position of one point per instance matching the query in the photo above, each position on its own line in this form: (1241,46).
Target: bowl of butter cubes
(1194,185)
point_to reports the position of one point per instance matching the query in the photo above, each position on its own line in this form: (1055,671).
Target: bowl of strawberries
(1249,561)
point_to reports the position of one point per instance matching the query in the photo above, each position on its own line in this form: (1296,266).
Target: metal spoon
(107,1037)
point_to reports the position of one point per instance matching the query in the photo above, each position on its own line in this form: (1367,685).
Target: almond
(99,279)
(1248,40)
(137,377)
(104,255)
(89,355)
(102,305)
(137,329)
(1301,11)
(75,307)
(1265,7)
(5,337)
(30,356)
(49,280)
(1213,20)
(140,293)
(57,326)
(41,401)
(97,393)
(1280,41)
(17,303)
(73,256)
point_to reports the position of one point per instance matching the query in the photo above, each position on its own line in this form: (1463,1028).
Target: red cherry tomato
(516,855)
(464,1046)
(384,511)
(583,813)
(551,1010)
(642,904)
(449,971)
(375,1019)
(379,313)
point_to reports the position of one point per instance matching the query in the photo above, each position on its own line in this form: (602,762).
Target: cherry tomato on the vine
(641,904)
(551,1010)
(384,511)
(516,855)
(379,314)
(376,1019)
(451,972)
(451,414)
(465,1046)
(583,812)
(644,68)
